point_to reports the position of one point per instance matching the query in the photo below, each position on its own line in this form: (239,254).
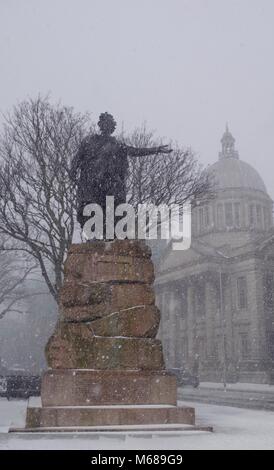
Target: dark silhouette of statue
(100,167)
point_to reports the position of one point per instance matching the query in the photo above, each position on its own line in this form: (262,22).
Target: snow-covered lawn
(234,428)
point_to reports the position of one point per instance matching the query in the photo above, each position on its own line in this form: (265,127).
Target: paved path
(260,397)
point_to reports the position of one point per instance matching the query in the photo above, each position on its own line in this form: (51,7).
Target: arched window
(237,214)
(228,214)
(251,215)
(259,216)
(242,292)
(220,216)
(266,217)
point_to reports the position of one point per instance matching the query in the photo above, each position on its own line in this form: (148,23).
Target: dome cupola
(241,207)
(228,146)
(231,172)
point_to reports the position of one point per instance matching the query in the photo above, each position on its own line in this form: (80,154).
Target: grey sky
(184,66)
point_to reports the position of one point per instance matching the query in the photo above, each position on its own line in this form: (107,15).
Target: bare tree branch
(36,197)
(164,179)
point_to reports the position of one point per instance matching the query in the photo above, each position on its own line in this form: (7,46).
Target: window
(202,347)
(269,290)
(271,346)
(215,349)
(242,292)
(228,214)
(266,217)
(180,301)
(206,216)
(259,216)
(184,301)
(185,347)
(199,300)
(237,214)
(251,216)
(244,345)
(220,216)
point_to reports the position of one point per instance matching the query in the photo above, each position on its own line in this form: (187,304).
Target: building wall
(194,326)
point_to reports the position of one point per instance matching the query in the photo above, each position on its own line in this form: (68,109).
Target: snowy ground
(239,386)
(234,428)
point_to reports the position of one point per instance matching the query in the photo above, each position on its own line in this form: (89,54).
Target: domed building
(242,209)
(217,298)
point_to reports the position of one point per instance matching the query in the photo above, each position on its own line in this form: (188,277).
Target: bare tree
(36,198)
(15,272)
(164,179)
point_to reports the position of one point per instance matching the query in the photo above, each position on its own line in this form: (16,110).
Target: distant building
(217,298)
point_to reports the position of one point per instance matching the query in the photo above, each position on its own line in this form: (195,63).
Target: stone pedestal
(106,367)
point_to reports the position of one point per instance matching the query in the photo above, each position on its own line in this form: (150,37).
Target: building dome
(232,173)
(241,207)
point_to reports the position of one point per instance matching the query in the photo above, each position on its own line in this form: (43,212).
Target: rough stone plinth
(142,321)
(136,249)
(87,302)
(108,319)
(110,262)
(81,387)
(74,346)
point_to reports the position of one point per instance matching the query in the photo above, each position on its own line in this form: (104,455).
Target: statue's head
(106,124)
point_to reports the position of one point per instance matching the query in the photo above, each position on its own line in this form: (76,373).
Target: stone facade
(217,298)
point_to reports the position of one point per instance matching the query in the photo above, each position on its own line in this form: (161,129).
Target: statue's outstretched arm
(140,152)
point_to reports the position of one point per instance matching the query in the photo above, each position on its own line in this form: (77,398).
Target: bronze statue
(100,166)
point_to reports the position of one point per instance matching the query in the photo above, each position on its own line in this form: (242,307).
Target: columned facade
(217,298)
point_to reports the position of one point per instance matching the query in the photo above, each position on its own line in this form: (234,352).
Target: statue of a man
(100,167)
